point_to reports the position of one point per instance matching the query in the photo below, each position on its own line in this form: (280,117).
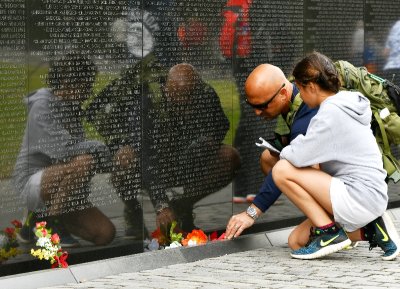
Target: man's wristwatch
(251,212)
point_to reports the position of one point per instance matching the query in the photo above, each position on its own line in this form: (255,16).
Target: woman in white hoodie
(334,174)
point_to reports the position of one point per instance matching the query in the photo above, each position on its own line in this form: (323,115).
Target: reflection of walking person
(357,44)
(345,200)
(392,52)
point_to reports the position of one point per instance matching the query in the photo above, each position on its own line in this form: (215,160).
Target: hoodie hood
(57,106)
(40,94)
(356,105)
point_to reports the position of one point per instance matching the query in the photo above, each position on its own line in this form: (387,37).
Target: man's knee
(267,161)
(265,156)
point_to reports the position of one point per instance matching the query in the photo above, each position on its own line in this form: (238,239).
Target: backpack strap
(294,107)
(283,125)
(390,163)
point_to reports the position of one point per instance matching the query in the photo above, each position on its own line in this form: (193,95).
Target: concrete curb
(143,261)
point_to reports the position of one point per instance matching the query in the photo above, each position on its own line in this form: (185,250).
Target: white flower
(3,240)
(153,246)
(43,242)
(192,243)
(174,244)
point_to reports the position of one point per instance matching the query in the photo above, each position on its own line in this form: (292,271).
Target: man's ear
(283,95)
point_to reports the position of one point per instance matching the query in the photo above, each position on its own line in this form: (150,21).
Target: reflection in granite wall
(119,116)
(382,38)
(275,39)
(329,26)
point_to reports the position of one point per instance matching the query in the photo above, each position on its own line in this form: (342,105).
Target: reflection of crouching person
(191,151)
(56,163)
(181,145)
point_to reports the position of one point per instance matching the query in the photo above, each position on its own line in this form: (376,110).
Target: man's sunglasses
(264,105)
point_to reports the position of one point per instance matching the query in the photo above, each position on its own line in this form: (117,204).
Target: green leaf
(174,236)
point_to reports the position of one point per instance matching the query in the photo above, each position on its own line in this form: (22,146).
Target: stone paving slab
(267,267)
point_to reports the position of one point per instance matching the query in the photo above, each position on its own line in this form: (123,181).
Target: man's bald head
(181,81)
(264,80)
(267,86)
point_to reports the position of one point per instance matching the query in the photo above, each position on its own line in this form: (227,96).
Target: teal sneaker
(382,232)
(322,243)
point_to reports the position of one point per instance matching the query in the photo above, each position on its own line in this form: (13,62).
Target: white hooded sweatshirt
(340,139)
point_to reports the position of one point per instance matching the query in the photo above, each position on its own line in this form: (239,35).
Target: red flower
(161,238)
(55,239)
(222,237)
(197,236)
(17,224)
(9,232)
(44,232)
(213,236)
(60,262)
(40,225)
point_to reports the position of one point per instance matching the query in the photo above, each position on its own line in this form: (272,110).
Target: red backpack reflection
(235,38)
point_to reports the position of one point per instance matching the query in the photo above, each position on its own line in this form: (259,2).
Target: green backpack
(384,97)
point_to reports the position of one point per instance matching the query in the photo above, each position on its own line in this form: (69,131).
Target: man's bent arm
(267,194)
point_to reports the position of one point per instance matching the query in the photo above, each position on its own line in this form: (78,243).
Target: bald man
(267,86)
(191,142)
(270,94)
(182,82)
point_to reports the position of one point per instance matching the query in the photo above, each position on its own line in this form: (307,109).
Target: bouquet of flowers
(176,238)
(50,247)
(8,241)
(166,237)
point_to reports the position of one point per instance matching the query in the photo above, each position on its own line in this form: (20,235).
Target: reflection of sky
(139,39)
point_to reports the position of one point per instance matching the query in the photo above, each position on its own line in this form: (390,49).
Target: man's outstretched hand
(237,224)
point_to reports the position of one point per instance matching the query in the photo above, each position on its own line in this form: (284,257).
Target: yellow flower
(38,253)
